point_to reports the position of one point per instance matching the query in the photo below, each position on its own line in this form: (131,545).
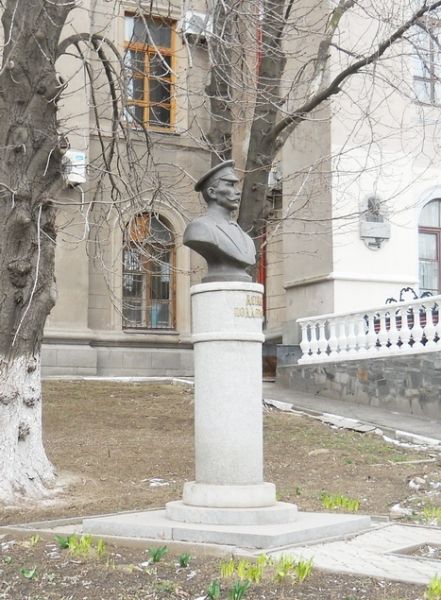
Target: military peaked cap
(200,184)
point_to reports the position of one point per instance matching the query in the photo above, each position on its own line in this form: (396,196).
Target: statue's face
(225,190)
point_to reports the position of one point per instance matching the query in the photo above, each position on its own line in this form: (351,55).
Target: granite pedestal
(227,337)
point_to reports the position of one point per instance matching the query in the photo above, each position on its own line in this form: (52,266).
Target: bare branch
(322,59)
(298,115)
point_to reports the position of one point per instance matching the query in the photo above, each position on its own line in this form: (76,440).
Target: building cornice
(342,276)
(95,338)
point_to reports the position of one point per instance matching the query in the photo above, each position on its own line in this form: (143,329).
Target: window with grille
(149,60)
(430,248)
(148,274)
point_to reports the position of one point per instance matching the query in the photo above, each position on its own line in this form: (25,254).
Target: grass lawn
(124,446)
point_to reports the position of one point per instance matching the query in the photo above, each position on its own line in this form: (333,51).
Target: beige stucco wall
(84,332)
(307,206)
(275,299)
(177,207)
(72,265)
(72,273)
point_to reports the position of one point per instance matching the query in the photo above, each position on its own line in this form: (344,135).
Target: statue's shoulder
(201,229)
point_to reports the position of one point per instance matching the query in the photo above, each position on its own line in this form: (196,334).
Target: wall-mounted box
(197,25)
(74,167)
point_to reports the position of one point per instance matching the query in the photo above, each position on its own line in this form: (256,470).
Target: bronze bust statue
(216,235)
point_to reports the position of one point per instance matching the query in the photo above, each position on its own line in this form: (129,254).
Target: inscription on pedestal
(252,309)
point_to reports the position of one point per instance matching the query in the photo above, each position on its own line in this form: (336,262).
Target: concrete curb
(172,380)
(396,434)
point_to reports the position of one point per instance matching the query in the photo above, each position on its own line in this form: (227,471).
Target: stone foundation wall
(86,359)
(409,384)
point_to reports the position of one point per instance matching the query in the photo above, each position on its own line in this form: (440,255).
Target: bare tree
(32,145)
(30,169)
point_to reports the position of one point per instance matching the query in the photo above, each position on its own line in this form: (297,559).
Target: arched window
(148,274)
(430,247)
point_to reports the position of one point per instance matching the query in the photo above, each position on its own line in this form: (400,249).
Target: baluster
(361,336)
(437,323)
(417,330)
(372,336)
(352,339)
(333,339)
(383,336)
(314,341)
(322,341)
(305,345)
(342,337)
(429,329)
(394,336)
(405,330)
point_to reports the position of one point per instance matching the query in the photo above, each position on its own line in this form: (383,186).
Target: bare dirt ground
(129,446)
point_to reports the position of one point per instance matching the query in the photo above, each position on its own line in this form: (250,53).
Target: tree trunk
(261,151)
(219,88)
(24,468)
(30,168)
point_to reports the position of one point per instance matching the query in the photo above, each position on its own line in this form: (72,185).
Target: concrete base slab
(308,527)
(385,550)
(280,513)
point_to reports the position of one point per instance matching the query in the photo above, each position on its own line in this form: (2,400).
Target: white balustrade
(392,329)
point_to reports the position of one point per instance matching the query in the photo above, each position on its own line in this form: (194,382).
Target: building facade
(356,218)
(361,177)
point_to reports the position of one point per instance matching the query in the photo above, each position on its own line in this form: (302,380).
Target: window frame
(146,277)
(431,229)
(429,63)
(148,51)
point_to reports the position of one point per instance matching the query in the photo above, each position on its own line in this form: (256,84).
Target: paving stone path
(382,552)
